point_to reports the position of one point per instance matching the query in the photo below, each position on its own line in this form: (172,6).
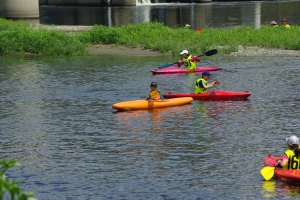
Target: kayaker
(202,83)
(154,93)
(284,24)
(189,61)
(291,157)
(274,24)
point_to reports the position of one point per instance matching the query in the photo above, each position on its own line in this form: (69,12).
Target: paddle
(267,172)
(208,53)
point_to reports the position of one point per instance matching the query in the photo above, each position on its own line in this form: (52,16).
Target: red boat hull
(173,69)
(285,175)
(213,95)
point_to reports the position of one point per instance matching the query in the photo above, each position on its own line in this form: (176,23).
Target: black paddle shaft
(208,53)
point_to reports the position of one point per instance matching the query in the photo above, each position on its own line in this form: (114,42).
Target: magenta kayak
(213,95)
(171,70)
(285,175)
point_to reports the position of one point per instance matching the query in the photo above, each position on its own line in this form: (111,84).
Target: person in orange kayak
(202,83)
(291,157)
(154,93)
(189,61)
(284,24)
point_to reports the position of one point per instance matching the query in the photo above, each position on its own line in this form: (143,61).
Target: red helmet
(283,20)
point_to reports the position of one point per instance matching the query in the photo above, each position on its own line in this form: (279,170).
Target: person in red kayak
(189,61)
(291,157)
(202,83)
(154,93)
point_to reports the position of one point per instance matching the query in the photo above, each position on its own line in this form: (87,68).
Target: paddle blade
(211,52)
(267,172)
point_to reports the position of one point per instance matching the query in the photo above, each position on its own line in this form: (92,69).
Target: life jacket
(156,94)
(199,89)
(188,64)
(293,162)
(286,26)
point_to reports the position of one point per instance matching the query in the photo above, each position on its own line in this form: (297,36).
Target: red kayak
(213,95)
(285,175)
(174,69)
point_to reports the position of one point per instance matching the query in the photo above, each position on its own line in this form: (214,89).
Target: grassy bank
(19,37)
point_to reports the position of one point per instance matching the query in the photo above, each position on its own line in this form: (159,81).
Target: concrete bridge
(29,9)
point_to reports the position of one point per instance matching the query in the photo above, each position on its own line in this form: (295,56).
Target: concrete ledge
(202,1)
(190,1)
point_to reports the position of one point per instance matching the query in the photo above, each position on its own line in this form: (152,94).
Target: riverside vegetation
(15,192)
(20,37)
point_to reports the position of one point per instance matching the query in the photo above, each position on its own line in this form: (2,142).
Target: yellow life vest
(156,95)
(286,26)
(200,89)
(293,162)
(188,64)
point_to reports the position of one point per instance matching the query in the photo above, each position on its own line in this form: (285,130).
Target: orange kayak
(151,104)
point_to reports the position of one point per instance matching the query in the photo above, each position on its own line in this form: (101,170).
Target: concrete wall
(89,2)
(189,1)
(21,9)
(123,2)
(75,2)
(106,2)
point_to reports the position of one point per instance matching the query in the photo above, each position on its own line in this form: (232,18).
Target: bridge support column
(19,9)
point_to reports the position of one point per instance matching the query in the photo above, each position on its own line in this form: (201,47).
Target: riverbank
(242,51)
(102,49)
(113,49)
(145,39)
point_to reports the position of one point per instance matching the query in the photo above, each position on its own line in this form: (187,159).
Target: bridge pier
(19,9)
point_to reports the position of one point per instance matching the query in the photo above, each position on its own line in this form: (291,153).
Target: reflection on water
(280,189)
(137,120)
(215,14)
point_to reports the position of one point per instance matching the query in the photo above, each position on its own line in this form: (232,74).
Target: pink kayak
(285,175)
(213,95)
(173,69)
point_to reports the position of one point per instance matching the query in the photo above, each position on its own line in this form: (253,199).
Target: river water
(56,119)
(214,14)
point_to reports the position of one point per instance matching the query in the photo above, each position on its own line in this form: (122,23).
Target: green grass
(19,37)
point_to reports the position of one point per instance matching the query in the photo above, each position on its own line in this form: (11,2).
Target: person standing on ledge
(274,24)
(202,83)
(187,26)
(189,61)
(284,24)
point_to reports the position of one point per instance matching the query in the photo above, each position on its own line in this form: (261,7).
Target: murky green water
(56,119)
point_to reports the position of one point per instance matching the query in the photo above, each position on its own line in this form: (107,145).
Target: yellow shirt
(154,95)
